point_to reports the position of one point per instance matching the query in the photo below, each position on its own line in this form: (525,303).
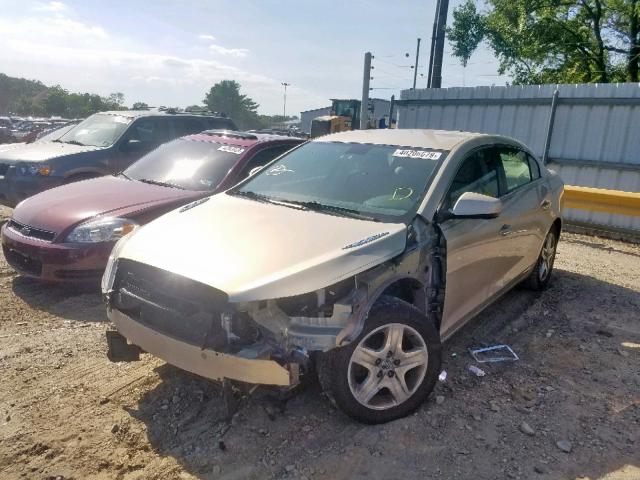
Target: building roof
(316,109)
(418,138)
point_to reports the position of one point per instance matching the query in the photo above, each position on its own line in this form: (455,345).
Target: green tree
(115,100)
(140,106)
(225,97)
(56,101)
(468,29)
(548,41)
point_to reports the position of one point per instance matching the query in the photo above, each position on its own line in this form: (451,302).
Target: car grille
(171,304)
(3,168)
(31,232)
(22,263)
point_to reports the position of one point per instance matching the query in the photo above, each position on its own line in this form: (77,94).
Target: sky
(170,53)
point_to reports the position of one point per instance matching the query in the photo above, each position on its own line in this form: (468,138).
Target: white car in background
(363,250)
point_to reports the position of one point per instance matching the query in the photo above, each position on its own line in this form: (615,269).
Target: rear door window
(515,164)
(534,167)
(187,126)
(149,131)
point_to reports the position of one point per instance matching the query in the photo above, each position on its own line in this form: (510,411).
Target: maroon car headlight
(108,229)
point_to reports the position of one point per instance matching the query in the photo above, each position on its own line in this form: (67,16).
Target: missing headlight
(316,304)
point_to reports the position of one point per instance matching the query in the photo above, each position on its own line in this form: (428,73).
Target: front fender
(372,285)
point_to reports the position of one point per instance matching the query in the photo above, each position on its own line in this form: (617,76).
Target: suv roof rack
(231,134)
(203,112)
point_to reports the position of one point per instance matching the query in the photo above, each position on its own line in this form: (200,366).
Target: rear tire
(389,370)
(541,274)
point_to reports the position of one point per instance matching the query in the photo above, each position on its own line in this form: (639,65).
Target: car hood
(42,151)
(59,208)
(10,146)
(257,251)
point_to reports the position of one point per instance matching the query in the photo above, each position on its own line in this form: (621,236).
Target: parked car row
(103,144)
(27,130)
(252,257)
(68,233)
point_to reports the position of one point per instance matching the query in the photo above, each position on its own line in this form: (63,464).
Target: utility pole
(415,70)
(284,108)
(437,47)
(364,106)
(434,34)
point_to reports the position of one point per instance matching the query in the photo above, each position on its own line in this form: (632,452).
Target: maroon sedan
(67,233)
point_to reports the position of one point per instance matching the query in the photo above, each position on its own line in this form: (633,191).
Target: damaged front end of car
(197,328)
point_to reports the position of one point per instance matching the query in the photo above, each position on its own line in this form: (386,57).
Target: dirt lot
(67,412)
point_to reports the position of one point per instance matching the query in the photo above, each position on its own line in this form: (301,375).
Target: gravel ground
(570,408)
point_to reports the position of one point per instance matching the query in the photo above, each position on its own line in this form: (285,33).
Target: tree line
(24,97)
(20,96)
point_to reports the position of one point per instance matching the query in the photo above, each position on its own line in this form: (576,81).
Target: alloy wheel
(388,366)
(547,256)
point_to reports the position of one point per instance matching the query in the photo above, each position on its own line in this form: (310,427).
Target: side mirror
(475,205)
(131,145)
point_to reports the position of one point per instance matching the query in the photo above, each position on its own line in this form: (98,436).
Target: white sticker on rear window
(401,152)
(230,149)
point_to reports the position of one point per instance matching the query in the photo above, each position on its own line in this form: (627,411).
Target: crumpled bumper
(204,362)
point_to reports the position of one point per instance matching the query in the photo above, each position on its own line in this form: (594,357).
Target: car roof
(417,138)
(158,113)
(241,139)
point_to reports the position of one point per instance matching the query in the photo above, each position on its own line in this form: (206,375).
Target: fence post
(552,117)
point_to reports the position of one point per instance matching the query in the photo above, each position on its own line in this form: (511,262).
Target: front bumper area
(56,262)
(201,361)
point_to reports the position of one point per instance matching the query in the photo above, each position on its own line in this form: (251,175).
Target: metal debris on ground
(443,376)
(478,372)
(497,353)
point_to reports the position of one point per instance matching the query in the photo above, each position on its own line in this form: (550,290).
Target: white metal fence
(589,134)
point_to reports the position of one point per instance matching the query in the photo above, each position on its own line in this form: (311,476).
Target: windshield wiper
(122,174)
(73,142)
(161,184)
(264,198)
(334,209)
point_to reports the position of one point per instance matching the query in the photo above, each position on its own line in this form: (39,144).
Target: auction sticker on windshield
(429,155)
(230,149)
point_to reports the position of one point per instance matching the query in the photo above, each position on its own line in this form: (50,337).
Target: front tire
(389,370)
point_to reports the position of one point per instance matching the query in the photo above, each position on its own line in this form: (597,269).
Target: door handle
(505,230)
(545,205)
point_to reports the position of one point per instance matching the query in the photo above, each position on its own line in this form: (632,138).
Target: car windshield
(55,134)
(99,130)
(188,164)
(380,182)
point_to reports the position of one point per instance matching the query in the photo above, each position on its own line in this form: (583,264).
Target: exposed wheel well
(408,290)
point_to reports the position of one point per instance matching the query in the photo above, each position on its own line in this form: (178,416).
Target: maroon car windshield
(187,164)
